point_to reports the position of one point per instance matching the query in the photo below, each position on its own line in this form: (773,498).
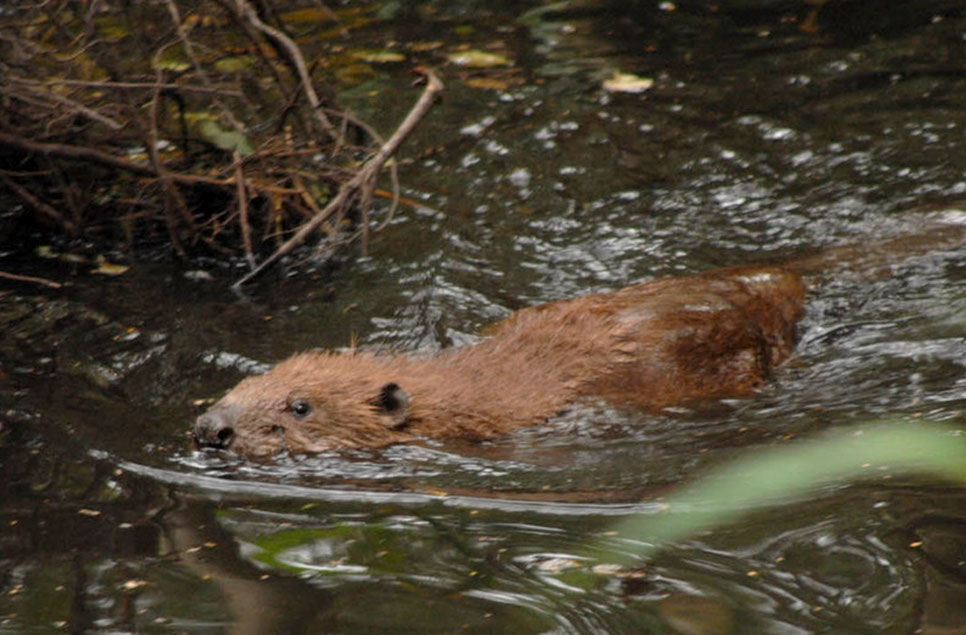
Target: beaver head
(309,403)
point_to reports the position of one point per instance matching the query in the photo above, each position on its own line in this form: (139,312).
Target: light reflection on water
(518,511)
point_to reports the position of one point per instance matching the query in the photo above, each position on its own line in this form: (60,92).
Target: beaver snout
(214,429)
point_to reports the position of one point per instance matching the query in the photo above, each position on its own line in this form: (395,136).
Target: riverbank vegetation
(199,127)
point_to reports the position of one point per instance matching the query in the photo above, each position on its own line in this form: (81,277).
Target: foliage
(783,475)
(181,122)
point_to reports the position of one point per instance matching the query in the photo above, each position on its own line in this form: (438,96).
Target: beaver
(650,345)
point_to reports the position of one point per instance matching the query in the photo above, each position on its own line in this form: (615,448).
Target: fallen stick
(362,183)
(286,44)
(39,205)
(242,195)
(32,279)
(102,84)
(82,153)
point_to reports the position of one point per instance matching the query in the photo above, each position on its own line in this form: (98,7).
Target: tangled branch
(364,182)
(198,124)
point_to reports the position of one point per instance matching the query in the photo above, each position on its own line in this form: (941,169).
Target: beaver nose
(213,430)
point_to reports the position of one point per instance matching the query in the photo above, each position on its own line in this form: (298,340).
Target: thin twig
(332,16)
(189,48)
(32,279)
(405,200)
(38,204)
(393,172)
(82,153)
(364,180)
(93,155)
(102,84)
(259,51)
(295,55)
(70,103)
(243,211)
(174,196)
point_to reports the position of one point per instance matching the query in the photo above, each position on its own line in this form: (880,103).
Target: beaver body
(650,345)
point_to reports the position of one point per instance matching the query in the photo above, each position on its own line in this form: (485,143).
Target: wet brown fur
(650,345)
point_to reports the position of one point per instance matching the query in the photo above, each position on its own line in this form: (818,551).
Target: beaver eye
(300,408)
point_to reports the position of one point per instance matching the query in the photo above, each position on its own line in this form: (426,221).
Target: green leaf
(310,15)
(378,57)
(784,474)
(172,59)
(234,64)
(230,140)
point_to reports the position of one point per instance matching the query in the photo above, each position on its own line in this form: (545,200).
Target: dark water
(757,142)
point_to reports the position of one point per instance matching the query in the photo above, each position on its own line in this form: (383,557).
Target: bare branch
(82,153)
(39,205)
(242,196)
(32,279)
(199,68)
(364,180)
(292,49)
(248,205)
(123,85)
(69,103)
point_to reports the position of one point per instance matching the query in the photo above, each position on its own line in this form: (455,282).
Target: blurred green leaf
(111,28)
(234,64)
(309,15)
(378,56)
(781,475)
(230,140)
(172,59)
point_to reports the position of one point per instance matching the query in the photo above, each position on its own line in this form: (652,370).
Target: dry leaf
(487,83)
(627,83)
(477,59)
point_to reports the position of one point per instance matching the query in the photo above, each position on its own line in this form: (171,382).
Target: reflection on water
(757,142)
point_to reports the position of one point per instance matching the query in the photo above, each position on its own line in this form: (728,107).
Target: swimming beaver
(651,345)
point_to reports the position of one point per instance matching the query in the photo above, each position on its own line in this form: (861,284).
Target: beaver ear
(394,402)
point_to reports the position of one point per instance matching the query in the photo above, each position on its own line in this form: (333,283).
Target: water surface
(758,142)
